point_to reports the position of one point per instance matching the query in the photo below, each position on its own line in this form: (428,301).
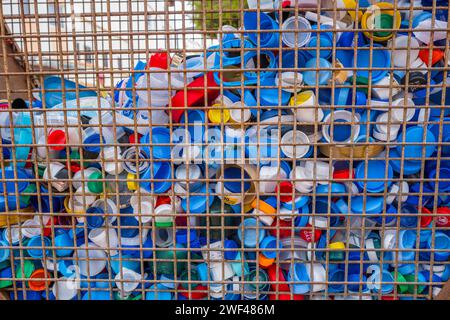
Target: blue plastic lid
(373,204)
(95,221)
(410,220)
(303,218)
(37,242)
(157,293)
(272,96)
(298,272)
(182,236)
(407,240)
(8,175)
(296,203)
(270,242)
(391,214)
(198,203)
(386,280)
(444,175)
(4,253)
(93,139)
(235,173)
(250,237)
(54,93)
(408,167)
(266,39)
(289,59)
(162,172)
(381,58)
(196,119)
(441,242)
(415,135)
(202,270)
(354,281)
(309,77)
(336,275)
(375,170)
(234,57)
(271,201)
(334,187)
(230,244)
(159,145)
(424,15)
(345,56)
(325,42)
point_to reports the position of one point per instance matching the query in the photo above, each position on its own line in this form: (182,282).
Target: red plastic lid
(74,168)
(280,284)
(163,200)
(194,97)
(343,174)
(436,56)
(37,285)
(199,292)
(63,222)
(132,139)
(425,220)
(58,139)
(159,60)
(285,188)
(48,225)
(308,235)
(285,227)
(444,219)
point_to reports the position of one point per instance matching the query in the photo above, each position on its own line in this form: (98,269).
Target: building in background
(109,36)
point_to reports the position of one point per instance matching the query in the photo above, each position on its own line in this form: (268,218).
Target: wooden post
(17,83)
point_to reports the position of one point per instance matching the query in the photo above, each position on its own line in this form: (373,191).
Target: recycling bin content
(302,155)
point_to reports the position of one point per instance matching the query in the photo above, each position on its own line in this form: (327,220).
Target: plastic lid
(38,285)
(380,59)
(375,170)
(325,42)
(301,25)
(383,21)
(250,237)
(4,252)
(373,204)
(436,56)
(57,140)
(28,268)
(301,142)
(270,242)
(94,140)
(333,187)
(235,173)
(404,46)
(94,185)
(218,115)
(198,203)
(8,178)
(414,140)
(324,74)
(408,167)
(298,272)
(285,189)
(266,39)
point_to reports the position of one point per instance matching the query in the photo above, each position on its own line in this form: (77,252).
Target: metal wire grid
(89,67)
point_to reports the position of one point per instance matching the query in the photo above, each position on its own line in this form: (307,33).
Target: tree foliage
(206,14)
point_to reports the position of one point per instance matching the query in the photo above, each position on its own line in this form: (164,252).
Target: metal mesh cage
(227,149)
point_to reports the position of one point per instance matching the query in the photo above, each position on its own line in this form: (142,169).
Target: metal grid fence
(97,43)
